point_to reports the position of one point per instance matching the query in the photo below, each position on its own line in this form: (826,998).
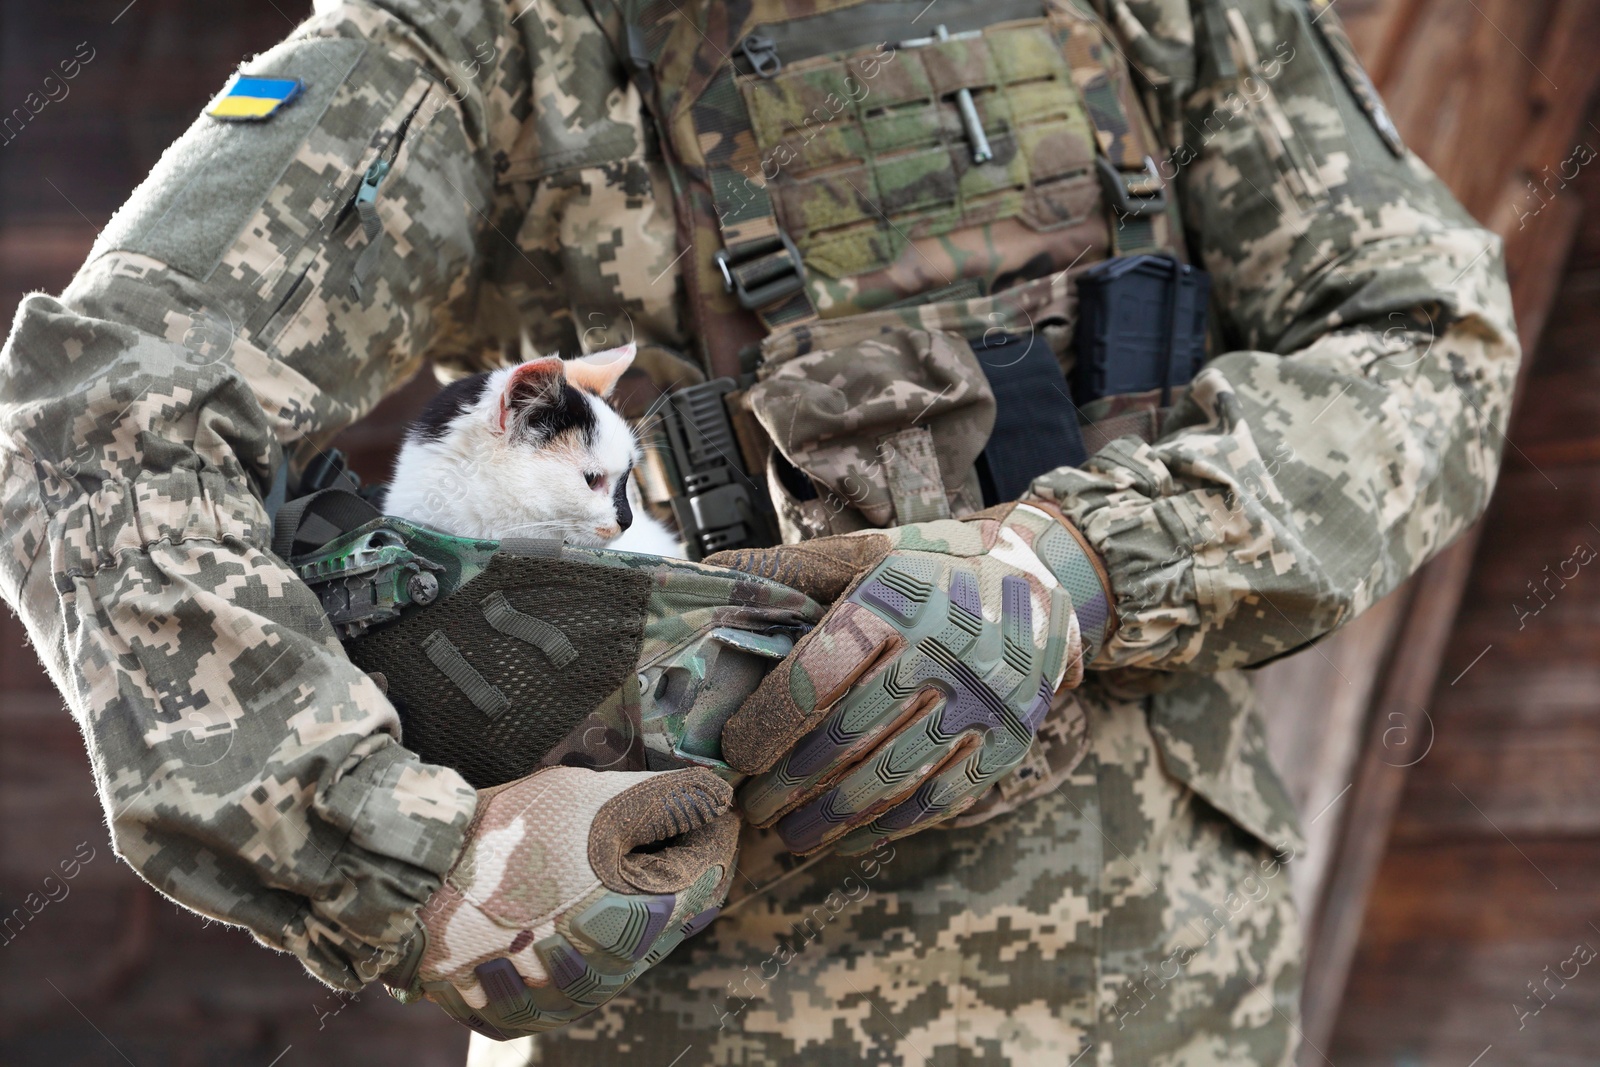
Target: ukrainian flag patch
(248,99)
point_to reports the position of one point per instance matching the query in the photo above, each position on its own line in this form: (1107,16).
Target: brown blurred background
(1444,748)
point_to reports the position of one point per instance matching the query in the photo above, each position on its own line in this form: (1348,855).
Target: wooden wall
(1492,874)
(1494,95)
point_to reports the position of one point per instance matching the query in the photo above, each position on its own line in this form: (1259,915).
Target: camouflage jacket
(249,771)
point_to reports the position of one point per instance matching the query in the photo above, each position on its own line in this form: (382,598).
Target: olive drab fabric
(1347,427)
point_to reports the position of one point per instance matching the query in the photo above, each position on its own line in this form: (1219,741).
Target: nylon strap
(306,523)
(745,215)
(915,483)
(1214,24)
(499,613)
(454,666)
(1119,139)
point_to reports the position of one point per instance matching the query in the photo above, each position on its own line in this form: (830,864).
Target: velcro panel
(210,182)
(865,153)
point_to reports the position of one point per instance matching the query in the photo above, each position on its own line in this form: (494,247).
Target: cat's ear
(530,385)
(598,373)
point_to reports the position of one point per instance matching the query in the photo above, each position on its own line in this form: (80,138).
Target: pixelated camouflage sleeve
(1357,424)
(231,312)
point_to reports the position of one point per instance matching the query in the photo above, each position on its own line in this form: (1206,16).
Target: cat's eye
(596,481)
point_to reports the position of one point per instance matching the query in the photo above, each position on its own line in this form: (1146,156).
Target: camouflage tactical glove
(927,679)
(573,882)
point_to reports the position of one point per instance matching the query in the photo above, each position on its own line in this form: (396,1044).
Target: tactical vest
(886,207)
(888,212)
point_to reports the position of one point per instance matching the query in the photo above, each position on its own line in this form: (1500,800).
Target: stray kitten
(528,451)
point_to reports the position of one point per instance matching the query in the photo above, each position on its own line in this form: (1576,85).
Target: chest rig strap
(1136,198)
(759,263)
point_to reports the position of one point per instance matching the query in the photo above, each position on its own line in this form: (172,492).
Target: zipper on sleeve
(365,203)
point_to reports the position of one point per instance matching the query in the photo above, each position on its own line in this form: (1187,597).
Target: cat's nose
(624,511)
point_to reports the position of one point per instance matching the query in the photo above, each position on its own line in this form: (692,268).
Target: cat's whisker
(651,448)
(652,412)
(468,468)
(648,424)
(656,405)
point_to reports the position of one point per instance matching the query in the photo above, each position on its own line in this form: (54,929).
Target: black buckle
(1118,186)
(714,502)
(763,272)
(761,53)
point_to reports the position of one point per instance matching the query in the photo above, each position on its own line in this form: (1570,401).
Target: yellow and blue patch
(248,99)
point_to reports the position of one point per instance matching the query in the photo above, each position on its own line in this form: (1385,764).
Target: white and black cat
(529,451)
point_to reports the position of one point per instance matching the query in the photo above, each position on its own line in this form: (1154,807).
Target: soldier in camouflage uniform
(1116,899)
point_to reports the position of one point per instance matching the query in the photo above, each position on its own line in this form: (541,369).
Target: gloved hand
(927,679)
(573,882)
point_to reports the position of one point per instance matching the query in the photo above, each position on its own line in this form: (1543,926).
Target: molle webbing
(755,254)
(309,522)
(680,52)
(916,486)
(499,613)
